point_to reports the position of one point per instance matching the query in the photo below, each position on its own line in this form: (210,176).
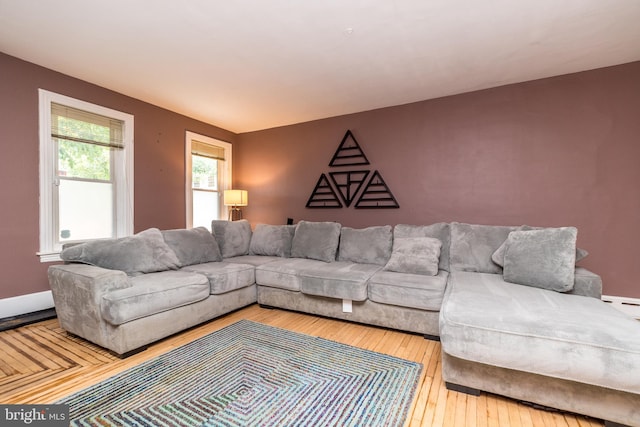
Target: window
(86,173)
(208,174)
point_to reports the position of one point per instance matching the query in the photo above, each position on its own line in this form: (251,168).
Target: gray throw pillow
(370,245)
(542,258)
(498,255)
(145,252)
(440,231)
(195,246)
(233,237)
(316,240)
(272,240)
(415,255)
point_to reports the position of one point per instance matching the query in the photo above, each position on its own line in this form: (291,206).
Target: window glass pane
(85,210)
(204,173)
(205,208)
(82,160)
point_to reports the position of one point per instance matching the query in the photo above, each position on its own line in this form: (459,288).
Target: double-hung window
(208,174)
(86,173)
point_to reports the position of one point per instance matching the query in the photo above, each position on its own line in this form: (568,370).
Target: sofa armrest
(587,284)
(77,294)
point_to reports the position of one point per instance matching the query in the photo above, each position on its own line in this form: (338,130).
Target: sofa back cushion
(316,240)
(473,245)
(272,240)
(233,237)
(145,252)
(195,246)
(371,245)
(440,231)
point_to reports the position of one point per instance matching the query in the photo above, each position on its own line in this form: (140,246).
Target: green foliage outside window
(83,160)
(205,172)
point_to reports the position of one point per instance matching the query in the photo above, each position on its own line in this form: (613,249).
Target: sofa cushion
(498,255)
(487,320)
(145,252)
(371,245)
(440,231)
(542,258)
(415,255)
(316,240)
(341,280)
(153,293)
(233,237)
(272,240)
(473,245)
(283,273)
(225,276)
(193,246)
(254,260)
(408,290)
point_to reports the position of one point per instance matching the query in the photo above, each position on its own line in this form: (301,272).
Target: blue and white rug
(250,374)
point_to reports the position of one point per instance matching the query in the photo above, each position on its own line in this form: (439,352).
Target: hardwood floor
(40,363)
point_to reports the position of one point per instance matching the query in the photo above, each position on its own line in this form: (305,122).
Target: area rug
(250,374)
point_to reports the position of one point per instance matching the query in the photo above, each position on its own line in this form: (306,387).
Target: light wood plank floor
(40,363)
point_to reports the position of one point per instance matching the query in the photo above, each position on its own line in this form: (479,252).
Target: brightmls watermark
(34,415)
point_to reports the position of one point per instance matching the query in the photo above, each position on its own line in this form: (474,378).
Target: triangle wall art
(367,189)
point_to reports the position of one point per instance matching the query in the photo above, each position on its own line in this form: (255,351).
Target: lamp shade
(236,198)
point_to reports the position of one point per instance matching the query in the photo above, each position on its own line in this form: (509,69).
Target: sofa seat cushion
(254,260)
(283,273)
(408,290)
(487,320)
(153,293)
(225,276)
(342,280)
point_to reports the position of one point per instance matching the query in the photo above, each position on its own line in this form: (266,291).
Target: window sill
(49,256)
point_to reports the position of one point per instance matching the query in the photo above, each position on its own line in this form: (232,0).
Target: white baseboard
(23,304)
(630,306)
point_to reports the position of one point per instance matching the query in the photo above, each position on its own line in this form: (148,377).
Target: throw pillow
(542,258)
(272,240)
(370,245)
(195,246)
(415,255)
(145,252)
(233,237)
(440,231)
(498,255)
(316,240)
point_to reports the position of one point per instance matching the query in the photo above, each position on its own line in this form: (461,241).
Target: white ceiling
(246,65)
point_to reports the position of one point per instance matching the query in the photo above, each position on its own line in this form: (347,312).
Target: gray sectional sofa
(515,315)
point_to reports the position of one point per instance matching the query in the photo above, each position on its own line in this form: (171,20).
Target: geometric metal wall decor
(348,184)
(376,194)
(349,153)
(323,195)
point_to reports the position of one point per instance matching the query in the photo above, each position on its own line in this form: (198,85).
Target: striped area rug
(250,374)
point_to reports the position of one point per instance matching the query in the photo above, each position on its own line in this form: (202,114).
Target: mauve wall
(159,165)
(552,152)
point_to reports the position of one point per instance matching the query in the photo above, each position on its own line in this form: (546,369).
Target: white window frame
(123,170)
(224,172)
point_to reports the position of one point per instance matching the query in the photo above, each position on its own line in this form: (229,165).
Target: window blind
(72,124)
(207,150)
